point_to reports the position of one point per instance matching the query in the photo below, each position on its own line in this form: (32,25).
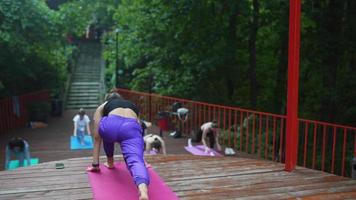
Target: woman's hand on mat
(93,169)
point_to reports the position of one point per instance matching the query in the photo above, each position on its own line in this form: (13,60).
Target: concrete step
(83,98)
(81,106)
(83,78)
(86,79)
(79,90)
(85,88)
(85,83)
(88,75)
(83,95)
(71,103)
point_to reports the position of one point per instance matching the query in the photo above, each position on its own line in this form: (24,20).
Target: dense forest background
(226,51)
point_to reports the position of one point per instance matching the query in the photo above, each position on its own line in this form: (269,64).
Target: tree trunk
(280,90)
(333,35)
(231,62)
(252,54)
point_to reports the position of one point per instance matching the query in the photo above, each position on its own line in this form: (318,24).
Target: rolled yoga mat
(199,151)
(117,184)
(16,163)
(75,144)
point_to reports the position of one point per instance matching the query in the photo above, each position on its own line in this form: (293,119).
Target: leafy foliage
(31,41)
(203,49)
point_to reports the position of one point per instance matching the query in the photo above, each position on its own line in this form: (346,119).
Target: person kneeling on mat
(207,130)
(20,148)
(116,120)
(81,126)
(154,143)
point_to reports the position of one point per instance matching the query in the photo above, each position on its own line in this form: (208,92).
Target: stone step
(79,78)
(84,89)
(84,98)
(85,86)
(85,79)
(83,95)
(79,90)
(85,83)
(87,74)
(81,106)
(82,103)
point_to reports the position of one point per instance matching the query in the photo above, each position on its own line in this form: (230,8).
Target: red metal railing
(13,112)
(260,133)
(326,147)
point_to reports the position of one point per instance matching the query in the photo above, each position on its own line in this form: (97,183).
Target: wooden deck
(190,177)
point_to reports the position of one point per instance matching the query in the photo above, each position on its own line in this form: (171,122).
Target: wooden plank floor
(190,177)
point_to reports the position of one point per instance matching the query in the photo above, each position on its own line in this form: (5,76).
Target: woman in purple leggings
(116,120)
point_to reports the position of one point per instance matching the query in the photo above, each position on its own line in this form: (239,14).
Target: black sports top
(119,103)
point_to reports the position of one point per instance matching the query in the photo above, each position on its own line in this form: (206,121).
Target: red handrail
(262,133)
(10,118)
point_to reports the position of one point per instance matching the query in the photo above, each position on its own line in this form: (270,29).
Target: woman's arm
(27,154)
(88,129)
(7,157)
(163,145)
(75,129)
(217,139)
(205,131)
(148,146)
(97,138)
(88,124)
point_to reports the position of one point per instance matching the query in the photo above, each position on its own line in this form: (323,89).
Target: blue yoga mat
(75,144)
(16,163)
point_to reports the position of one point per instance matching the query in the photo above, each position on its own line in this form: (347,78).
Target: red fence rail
(13,111)
(322,146)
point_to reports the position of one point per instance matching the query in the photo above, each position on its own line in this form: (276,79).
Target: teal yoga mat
(15,163)
(75,144)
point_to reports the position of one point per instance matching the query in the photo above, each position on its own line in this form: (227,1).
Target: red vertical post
(293,85)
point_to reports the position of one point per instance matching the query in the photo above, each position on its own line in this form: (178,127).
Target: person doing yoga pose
(207,130)
(116,120)
(20,148)
(81,126)
(154,143)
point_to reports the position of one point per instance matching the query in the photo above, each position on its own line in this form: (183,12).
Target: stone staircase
(86,87)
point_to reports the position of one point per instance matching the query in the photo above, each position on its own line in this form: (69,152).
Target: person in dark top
(116,120)
(20,148)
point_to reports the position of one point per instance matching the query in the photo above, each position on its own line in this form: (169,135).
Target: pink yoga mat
(117,184)
(199,150)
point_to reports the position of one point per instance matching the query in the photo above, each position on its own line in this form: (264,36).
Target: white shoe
(229,151)
(190,142)
(232,152)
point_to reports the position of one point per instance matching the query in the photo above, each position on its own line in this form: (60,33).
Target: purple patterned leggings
(127,132)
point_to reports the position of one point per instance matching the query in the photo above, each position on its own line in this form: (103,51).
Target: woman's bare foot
(109,163)
(93,169)
(143,191)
